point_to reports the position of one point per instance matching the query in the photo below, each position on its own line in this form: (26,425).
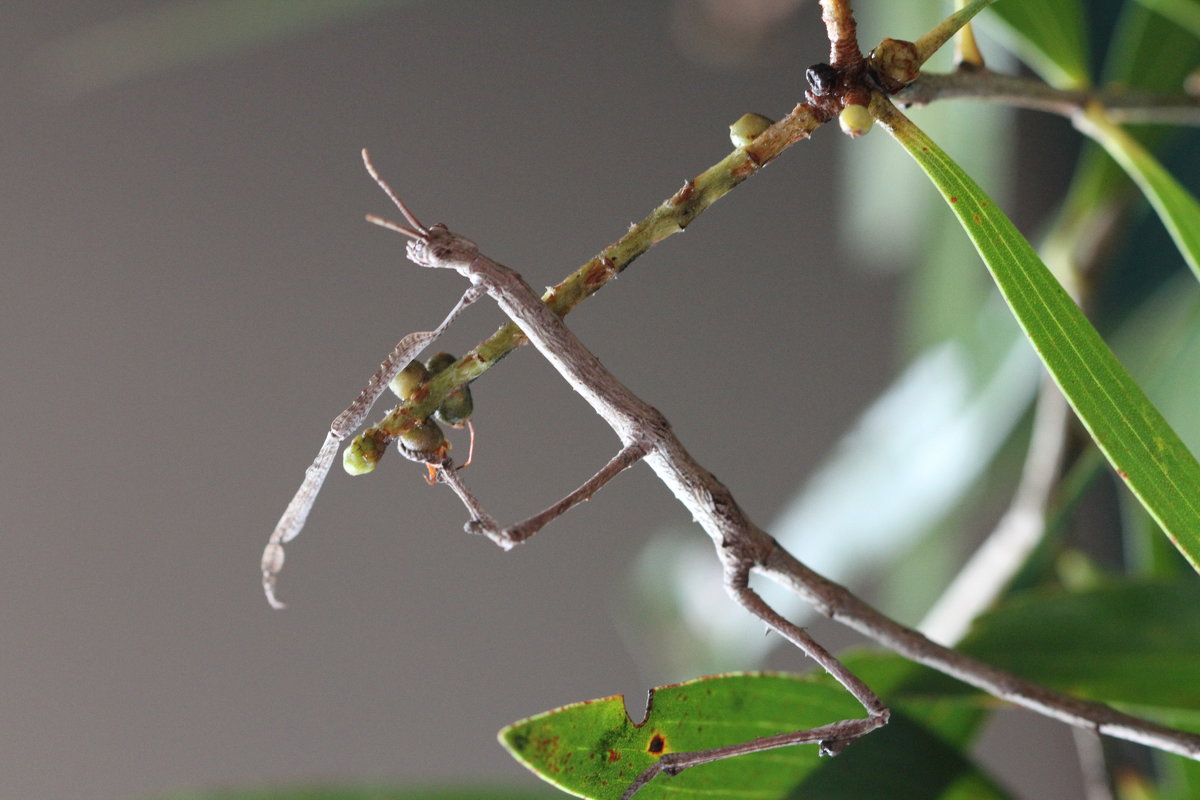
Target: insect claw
(470,445)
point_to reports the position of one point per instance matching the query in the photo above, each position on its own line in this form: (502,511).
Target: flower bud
(747,129)
(408,379)
(423,439)
(896,62)
(855,120)
(458,405)
(362,455)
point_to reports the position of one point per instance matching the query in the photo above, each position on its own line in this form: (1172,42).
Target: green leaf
(594,750)
(361,793)
(1048,36)
(1184,13)
(1132,643)
(1175,206)
(1137,644)
(1129,430)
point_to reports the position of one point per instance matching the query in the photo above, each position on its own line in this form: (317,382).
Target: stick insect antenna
(417,231)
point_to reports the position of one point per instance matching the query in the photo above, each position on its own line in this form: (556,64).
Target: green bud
(456,408)
(896,62)
(747,129)
(439,362)
(408,379)
(362,455)
(423,439)
(458,405)
(855,120)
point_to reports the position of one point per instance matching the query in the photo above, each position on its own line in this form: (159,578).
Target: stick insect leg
(737,584)
(507,538)
(832,738)
(344,424)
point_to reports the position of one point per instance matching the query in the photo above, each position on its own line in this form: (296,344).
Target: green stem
(937,36)
(669,218)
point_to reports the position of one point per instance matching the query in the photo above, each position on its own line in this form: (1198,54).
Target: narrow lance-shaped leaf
(1050,37)
(1184,13)
(1130,431)
(1175,206)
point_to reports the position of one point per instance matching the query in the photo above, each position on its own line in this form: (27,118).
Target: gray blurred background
(191,294)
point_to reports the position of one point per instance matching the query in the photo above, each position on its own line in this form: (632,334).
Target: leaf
(594,750)
(361,793)
(1131,643)
(1184,13)
(1048,36)
(1175,206)
(1126,426)
(1161,342)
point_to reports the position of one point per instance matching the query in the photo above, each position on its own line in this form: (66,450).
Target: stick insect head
(417,231)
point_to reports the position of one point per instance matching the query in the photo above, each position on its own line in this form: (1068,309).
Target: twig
(839,603)
(669,218)
(1121,105)
(842,31)
(989,571)
(741,546)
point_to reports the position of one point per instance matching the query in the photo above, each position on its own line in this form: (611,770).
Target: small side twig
(842,31)
(1121,105)
(986,575)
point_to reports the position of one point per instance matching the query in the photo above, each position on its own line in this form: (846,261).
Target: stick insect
(741,546)
(644,434)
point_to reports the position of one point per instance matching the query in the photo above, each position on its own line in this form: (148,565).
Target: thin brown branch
(1121,105)
(839,603)
(842,30)
(667,219)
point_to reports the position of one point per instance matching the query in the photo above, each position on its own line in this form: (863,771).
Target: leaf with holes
(594,750)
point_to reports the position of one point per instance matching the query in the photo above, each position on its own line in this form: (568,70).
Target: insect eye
(822,78)
(408,379)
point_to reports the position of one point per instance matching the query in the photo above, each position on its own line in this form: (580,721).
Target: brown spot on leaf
(953,199)
(657,744)
(613,755)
